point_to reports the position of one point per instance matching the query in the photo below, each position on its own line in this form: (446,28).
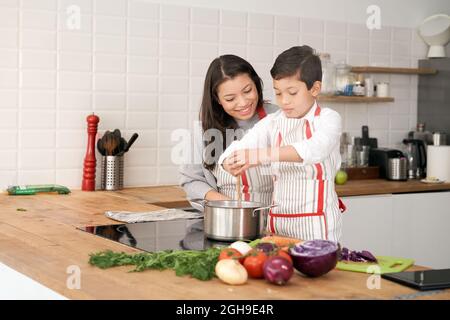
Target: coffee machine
(392,163)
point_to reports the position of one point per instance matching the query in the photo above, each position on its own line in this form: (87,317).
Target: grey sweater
(196,180)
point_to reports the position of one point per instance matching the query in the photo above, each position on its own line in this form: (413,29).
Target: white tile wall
(140,66)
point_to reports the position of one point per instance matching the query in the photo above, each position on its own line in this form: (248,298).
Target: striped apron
(256,182)
(308,206)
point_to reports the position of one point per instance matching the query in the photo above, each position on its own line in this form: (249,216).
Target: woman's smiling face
(238,97)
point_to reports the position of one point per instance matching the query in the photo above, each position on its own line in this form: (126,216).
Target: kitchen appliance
(417,158)
(435,31)
(231,220)
(438,162)
(365,140)
(180,234)
(421,134)
(380,157)
(397,169)
(385,264)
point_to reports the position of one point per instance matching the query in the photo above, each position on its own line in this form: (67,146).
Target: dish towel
(145,216)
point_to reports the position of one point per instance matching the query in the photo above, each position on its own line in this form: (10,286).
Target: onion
(231,271)
(267,247)
(277,270)
(316,257)
(241,246)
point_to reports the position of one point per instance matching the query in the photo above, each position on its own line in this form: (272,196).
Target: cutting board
(385,265)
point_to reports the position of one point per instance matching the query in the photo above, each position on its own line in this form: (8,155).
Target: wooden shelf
(354,99)
(368,69)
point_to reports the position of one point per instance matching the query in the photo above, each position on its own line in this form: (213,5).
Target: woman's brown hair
(212,114)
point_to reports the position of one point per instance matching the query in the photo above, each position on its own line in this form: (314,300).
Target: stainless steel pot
(231,220)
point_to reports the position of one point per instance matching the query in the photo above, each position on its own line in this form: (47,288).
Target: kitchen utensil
(385,264)
(230,220)
(131,141)
(100,147)
(89,165)
(417,158)
(365,139)
(397,169)
(112,173)
(110,144)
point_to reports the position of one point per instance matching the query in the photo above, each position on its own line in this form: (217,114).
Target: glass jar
(328,75)
(342,77)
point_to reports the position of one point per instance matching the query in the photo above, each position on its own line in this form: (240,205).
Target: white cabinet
(367,223)
(422,228)
(412,225)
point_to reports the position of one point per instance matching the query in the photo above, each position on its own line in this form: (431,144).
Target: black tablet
(422,280)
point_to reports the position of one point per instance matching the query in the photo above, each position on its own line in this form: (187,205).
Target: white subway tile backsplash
(143,28)
(8,38)
(173,85)
(260,37)
(355,30)
(9,160)
(111,8)
(7,178)
(174,102)
(37,99)
(36,177)
(401,34)
(82,24)
(358,45)
(380,60)
(142,102)
(33,19)
(236,49)
(147,138)
(37,59)
(336,44)
(9,3)
(43,40)
(9,139)
(174,31)
(315,42)
(285,23)
(195,85)
(70,100)
(110,44)
(199,67)
(312,26)
(140,176)
(75,61)
(233,18)
(75,81)
(205,16)
(399,122)
(143,10)
(9,18)
(109,82)
(85,6)
(8,79)
(72,119)
(173,120)
(378,122)
(111,119)
(381,34)
(110,26)
(38,79)
(41,4)
(174,49)
(142,120)
(204,51)
(336,29)
(204,33)
(401,62)
(144,84)
(260,54)
(169,67)
(260,21)
(142,46)
(286,39)
(358,59)
(380,47)
(109,101)
(37,139)
(71,178)
(74,42)
(233,35)
(142,65)
(8,120)
(140,157)
(168,175)
(8,99)
(37,119)
(9,58)
(175,13)
(70,159)
(401,49)
(110,63)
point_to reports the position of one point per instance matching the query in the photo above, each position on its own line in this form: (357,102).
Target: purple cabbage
(355,256)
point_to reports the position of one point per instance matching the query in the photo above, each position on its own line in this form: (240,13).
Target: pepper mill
(88,183)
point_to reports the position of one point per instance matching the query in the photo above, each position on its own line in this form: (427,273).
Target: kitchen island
(39,238)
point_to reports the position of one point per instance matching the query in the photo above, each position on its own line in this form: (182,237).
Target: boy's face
(293,97)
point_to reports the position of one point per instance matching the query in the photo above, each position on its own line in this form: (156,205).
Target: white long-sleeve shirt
(328,128)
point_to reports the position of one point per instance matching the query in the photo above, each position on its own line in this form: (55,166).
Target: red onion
(278,270)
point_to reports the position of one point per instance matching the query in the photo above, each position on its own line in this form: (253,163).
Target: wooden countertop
(42,242)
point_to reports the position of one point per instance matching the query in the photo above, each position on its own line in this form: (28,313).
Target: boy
(301,142)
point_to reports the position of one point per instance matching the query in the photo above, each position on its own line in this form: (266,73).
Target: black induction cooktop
(181,234)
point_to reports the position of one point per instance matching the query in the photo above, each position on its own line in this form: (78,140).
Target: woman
(232,100)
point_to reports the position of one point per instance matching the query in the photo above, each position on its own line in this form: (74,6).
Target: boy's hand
(241,160)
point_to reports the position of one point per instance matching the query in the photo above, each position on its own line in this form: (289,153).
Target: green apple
(341,177)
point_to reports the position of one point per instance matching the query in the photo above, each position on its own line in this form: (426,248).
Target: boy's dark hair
(301,61)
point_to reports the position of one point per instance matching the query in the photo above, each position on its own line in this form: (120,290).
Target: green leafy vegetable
(198,264)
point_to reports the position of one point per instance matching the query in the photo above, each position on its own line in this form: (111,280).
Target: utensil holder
(112,173)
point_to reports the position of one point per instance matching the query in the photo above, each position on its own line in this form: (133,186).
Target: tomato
(254,263)
(285,255)
(231,253)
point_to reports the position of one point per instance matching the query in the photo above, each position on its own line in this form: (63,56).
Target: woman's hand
(241,160)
